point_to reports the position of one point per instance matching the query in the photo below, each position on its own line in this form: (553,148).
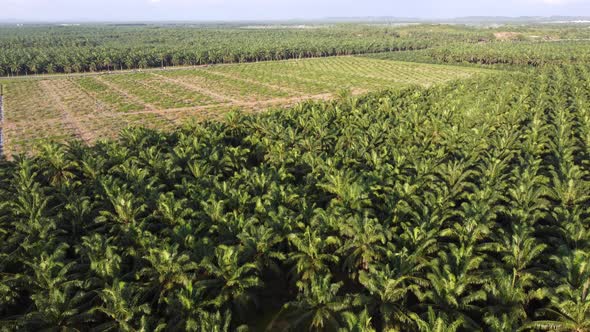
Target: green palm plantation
(458,207)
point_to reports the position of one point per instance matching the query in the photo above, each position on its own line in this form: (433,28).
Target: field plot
(98,105)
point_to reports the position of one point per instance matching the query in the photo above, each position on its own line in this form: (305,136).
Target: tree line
(505,55)
(39,50)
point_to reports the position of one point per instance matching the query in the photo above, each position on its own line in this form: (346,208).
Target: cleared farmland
(91,107)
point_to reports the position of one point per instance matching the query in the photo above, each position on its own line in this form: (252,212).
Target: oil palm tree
(570,303)
(166,272)
(454,284)
(261,245)
(318,307)
(364,243)
(122,307)
(357,322)
(311,256)
(437,322)
(59,302)
(390,287)
(229,282)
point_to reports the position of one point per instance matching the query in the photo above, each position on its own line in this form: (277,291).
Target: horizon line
(337,19)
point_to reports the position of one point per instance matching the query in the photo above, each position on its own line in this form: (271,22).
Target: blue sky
(56,10)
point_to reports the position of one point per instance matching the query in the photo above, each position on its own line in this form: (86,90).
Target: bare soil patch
(506,35)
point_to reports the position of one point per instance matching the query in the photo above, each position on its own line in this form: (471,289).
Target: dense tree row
(56,49)
(516,53)
(81,49)
(502,54)
(458,207)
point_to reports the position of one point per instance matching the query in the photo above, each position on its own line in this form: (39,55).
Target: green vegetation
(394,196)
(31,50)
(105,96)
(99,106)
(40,49)
(511,55)
(456,207)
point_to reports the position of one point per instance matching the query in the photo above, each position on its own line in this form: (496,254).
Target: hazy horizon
(256,10)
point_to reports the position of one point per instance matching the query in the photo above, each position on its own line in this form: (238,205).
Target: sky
(226,10)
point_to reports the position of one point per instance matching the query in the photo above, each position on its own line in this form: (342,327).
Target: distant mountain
(466,19)
(375,19)
(520,19)
(332,20)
